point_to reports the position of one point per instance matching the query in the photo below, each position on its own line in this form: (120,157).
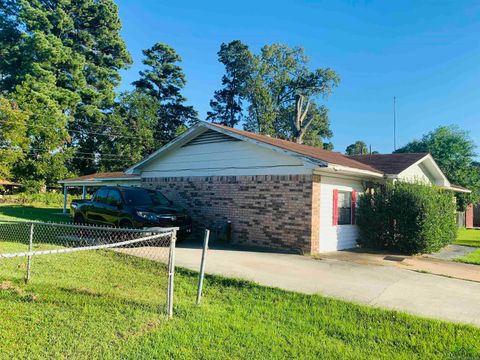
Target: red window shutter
(354,206)
(335,207)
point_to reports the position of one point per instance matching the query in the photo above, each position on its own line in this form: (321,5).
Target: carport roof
(101,176)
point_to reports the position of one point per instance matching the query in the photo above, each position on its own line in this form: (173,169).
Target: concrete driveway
(381,286)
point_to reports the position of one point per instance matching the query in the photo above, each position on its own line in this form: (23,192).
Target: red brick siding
(469,216)
(274,211)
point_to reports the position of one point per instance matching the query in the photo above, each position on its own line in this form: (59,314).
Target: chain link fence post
(171,274)
(29,258)
(202,266)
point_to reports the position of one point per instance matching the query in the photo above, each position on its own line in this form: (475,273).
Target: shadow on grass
(25,213)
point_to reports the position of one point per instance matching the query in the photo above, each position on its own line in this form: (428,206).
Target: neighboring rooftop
(389,163)
(8,183)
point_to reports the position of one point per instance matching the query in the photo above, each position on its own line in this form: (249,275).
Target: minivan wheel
(78,219)
(126,224)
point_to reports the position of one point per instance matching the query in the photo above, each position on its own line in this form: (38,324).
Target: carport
(85,182)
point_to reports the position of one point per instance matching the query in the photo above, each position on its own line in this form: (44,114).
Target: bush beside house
(406,218)
(47,199)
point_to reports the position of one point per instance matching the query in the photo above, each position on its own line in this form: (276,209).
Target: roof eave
(456,189)
(96,180)
(334,168)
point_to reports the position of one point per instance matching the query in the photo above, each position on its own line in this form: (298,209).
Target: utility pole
(394,123)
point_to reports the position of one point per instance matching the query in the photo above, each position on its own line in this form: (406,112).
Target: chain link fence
(76,254)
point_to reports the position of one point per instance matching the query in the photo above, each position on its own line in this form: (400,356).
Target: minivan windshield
(158,198)
(137,197)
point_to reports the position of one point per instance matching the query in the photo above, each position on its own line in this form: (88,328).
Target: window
(114,198)
(158,198)
(343,211)
(344,208)
(137,197)
(101,195)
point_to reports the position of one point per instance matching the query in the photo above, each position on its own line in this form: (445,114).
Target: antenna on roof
(394,123)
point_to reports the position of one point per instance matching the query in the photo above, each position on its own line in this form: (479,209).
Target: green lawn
(108,305)
(468,237)
(22,212)
(472,258)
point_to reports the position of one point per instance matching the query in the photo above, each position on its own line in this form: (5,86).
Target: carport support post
(29,258)
(171,274)
(202,266)
(84,192)
(65,194)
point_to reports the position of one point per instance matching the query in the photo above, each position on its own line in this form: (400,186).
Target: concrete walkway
(424,263)
(451,252)
(382,286)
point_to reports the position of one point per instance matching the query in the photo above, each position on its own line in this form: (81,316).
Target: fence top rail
(92,227)
(83,248)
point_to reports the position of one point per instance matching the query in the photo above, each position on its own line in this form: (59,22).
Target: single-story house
(275,193)
(8,186)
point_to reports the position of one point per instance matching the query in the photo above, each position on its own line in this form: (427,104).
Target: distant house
(8,186)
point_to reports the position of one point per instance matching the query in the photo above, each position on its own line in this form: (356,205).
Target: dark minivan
(131,207)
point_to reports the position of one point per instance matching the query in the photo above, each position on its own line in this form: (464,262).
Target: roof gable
(305,150)
(309,154)
(399,164)
(390,163)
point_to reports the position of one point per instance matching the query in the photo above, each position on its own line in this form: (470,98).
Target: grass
(109,305)
(22,212)
(468,237)
(472,258)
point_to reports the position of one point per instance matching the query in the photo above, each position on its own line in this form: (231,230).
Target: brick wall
(274,211)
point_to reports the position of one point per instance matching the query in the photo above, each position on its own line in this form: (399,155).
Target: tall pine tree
(164,80)
(60,62)
(227,102)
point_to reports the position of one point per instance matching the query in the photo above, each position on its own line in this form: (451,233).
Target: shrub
(407,218)
(49,199)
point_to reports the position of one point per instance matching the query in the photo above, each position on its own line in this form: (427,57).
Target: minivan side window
(101,195)
(114,197)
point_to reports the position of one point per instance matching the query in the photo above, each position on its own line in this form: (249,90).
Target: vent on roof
(210,137)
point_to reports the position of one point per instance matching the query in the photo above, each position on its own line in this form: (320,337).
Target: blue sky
(426,53)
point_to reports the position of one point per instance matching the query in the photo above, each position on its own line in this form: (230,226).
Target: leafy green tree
(13,139)
(60,61)
(164,80)
(282,93)
(227,103)
(131,131)
(95,36)
(454,151)
(357,148)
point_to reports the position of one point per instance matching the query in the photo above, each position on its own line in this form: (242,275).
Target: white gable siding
(333,238)
(416,173)
(224,158)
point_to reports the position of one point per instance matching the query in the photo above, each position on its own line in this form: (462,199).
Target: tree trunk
(299,125)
